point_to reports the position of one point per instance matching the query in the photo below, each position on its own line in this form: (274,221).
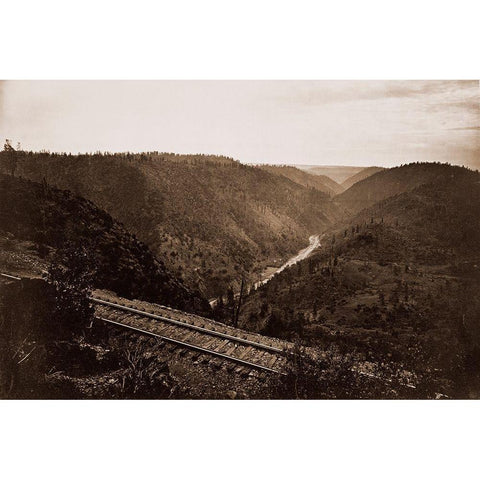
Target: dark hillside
(435,222)
(319,182)
(332,184)
(211,219)
(398,283)
(394,181)
(56,219)
(365,173)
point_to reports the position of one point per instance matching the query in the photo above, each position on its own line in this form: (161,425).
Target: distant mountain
(211,219)
(397,283)
(309,180)
(332,184)
(394,181)
(435,222)
(361,175)
(54,218)
(338,173)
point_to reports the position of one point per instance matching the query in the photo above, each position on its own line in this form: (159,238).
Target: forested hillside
(361,175)
(397,285)
(211,219)
(51,221)
(434,223)
(394,181)
(330,183)
(319,182)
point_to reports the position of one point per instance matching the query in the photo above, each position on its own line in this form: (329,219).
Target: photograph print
(263,239)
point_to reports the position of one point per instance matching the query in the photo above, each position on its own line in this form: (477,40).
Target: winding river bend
(301,255)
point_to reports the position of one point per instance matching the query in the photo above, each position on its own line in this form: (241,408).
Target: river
(314,243)
(301,255)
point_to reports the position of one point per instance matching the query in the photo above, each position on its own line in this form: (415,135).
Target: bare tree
(239,304)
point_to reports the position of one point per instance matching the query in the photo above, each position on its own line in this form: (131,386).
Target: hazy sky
(298,122)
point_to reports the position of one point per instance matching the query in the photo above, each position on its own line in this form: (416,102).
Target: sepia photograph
(240,239)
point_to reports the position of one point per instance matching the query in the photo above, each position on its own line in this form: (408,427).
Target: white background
(242,40)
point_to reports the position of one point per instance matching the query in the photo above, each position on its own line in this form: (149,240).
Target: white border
(216,39)
(238,440)
(241,40)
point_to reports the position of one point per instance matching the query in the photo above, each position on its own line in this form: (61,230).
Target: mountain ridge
(302,177)
(54,220)
(212,219)
(365,173)
(388,182)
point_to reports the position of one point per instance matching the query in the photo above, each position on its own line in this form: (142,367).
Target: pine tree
(10,156)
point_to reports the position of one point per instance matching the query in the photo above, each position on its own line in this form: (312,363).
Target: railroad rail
(191,334)
(10,277)
(202,341)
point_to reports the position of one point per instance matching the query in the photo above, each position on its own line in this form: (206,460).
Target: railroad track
(9,277)
(190,334)
(206,341)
